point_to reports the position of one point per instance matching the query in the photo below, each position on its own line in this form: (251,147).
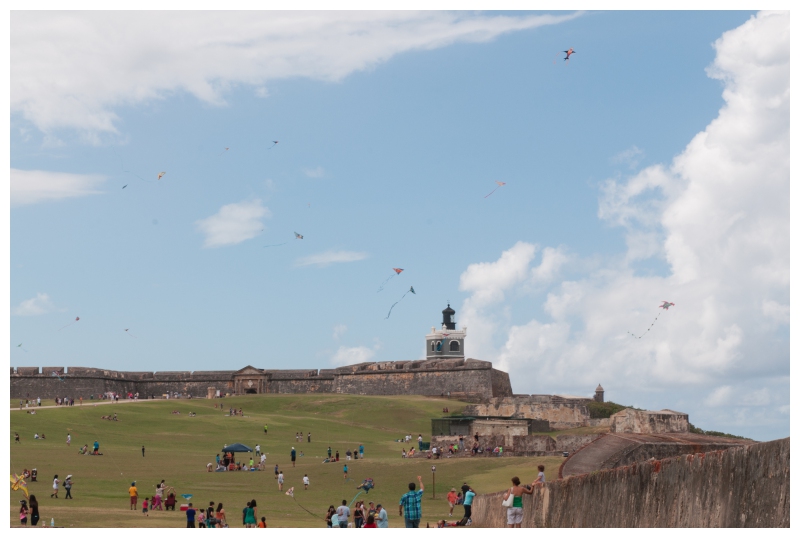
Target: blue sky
(392,128)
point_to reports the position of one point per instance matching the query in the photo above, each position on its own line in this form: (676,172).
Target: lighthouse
(446,342)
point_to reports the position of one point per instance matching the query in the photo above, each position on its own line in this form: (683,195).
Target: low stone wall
(544,445)
(561,413)
(635,421)
(739,487)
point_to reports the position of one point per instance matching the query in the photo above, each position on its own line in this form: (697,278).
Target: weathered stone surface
(533,445)
(459,378)
(738,487)
(562,413)
(636,421)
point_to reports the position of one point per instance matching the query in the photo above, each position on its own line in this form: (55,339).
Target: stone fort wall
(739,487)
(468,378)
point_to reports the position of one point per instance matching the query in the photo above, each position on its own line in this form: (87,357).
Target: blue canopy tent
(232,450)
(237,447)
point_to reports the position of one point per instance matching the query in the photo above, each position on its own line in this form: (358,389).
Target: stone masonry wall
(541,445)
(561,413)
(634,421)
(739,487)
(473,378)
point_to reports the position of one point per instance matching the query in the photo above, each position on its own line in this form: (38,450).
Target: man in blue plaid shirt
(412,503)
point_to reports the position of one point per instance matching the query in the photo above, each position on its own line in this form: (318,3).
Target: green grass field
(178,447)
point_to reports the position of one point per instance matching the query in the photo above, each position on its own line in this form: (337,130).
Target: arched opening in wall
(438,346)
(251,391)
(433,346)
(454,346)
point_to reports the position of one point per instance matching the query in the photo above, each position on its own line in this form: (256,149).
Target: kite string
(307,510)
(648,329)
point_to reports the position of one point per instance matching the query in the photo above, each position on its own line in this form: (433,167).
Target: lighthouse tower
(446,342)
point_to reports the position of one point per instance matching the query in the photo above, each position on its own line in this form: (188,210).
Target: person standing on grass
(258,450)
(451,500)
(411,502)
(361,451)
(469,494)
(55,487)
(190,513)
(251,516)
(514,513)
(16,440)
(134,493)
(220,516)
(144,506)
(265,429)
(69,439)
(309,437)
(305,481)
(280,481)
(34,510)
(343,512)
(337,455)
(345,471)
(382,517)
(68,486)
(23,513)
(329,450)
(294,456)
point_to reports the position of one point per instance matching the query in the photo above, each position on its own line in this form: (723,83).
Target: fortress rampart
(739,487)
(468,378)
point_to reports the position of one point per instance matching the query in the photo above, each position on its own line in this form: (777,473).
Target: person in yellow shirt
(134,493)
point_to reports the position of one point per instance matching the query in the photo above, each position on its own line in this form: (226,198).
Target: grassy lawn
(178,447)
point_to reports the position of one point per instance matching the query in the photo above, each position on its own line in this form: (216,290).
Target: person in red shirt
(451,500)
(370,523)
(263,523)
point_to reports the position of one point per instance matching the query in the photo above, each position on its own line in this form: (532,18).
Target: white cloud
(721,396)
(70,69)
(631,157)
(353,355)
(314,172)
(718,215)
(339,330)
(35,306)
(233,223)
(34,186)
(324,259)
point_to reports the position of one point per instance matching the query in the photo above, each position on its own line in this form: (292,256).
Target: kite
(22,348)
(187,496)
(568,53)
(161,174)
(68,324)
(499,184)
(397,271)
(18,483)
(223,151)
(125,185)
(366,485)
(410,290)
(129,334)
(55,374)
(290,492)
(274,143)
(297,235)
(665,305)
